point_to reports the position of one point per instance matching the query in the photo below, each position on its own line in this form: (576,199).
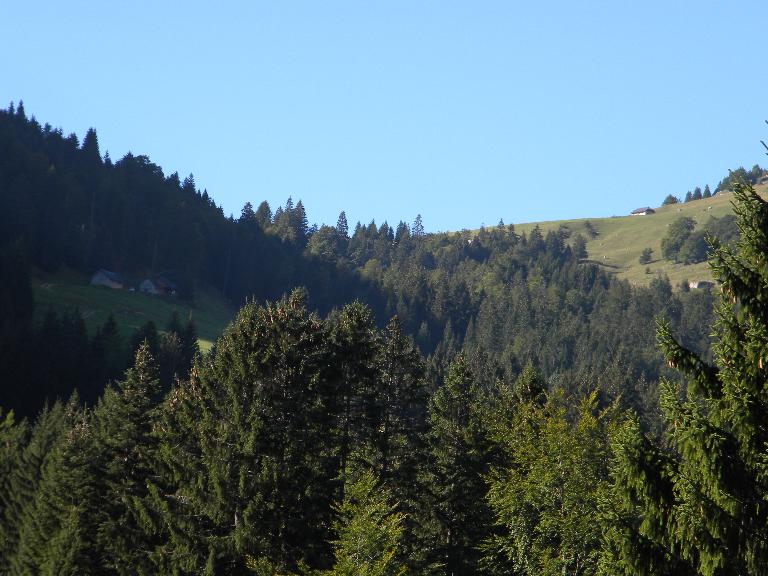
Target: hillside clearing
(620,240)
(67,290)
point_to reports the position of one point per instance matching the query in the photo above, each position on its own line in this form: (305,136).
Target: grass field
(66,290)
(620,240)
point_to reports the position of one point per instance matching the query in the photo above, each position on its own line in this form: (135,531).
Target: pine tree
(13,437)
(707,192)
(126,446)
(696,194)
(355,347)
(247,214)
(459,462)
(246,462)
(264,215)
(91,147)
(341,225)
(695,504)
(417,229)
(300,224)
(21,486)
(57,526)
(400,448)
(579,247)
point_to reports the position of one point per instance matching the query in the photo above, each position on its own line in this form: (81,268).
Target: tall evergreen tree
(264,215)
(13,437)
(341,225)
(246,469)
(696,194)
(355,349)
(417,229)
(57,527)
(400,448)
(459,462)
(695,504)
(123,422)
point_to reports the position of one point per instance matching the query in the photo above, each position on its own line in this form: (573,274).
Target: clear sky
(465,112)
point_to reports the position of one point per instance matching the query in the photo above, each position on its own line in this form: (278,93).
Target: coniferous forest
(386,401)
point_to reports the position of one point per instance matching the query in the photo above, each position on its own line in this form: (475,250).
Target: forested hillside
(385,400)
(303,444)
(518,298)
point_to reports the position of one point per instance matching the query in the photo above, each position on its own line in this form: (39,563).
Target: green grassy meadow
(66,290)
(620,240)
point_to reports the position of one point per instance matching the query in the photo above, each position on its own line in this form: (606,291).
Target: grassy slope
(67,290)
(620,240)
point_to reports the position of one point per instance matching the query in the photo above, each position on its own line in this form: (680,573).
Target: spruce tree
(459,462)
(123,422)
(57,526)
(696,194)
(417,230)
(341,226)
(264,215)
(355,348)
(246,464)
(400,448)
(695,504)
(13,437)
(22,484)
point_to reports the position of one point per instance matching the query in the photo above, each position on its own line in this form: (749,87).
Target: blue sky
(465,112)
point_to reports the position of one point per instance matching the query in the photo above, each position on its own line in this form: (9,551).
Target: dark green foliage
(16,306)
(646,256)
(579,247)
(673,240)
(417,229)
(249,470)
(56,522)
(459,461)
(740,176)
(694,248)
(723,229)
(13,492)
(670,199)
(695,503)
(127,451)
(355,349)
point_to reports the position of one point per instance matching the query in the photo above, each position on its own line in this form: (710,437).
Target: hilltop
(620,239)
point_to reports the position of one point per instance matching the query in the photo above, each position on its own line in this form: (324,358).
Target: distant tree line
(738,176)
